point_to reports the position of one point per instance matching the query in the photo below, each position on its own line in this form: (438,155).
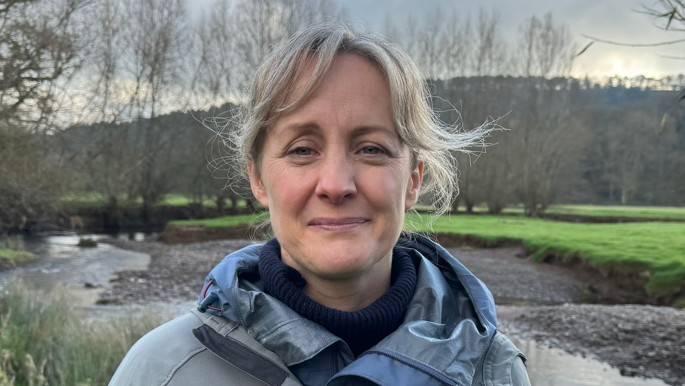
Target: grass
(16,256)
(219,222)
(12,250)
(655,249)
(677,213)
(651,212)
(46,339)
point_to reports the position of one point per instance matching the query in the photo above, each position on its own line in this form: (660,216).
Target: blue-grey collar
(447,326)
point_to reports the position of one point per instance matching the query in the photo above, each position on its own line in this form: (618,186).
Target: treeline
(97,95)
(567,141)
(564,140)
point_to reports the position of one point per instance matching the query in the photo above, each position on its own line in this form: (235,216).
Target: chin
(343,259)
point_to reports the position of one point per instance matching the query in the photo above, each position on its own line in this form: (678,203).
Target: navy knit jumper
(360,329)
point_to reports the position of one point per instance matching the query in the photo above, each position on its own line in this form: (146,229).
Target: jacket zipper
(335,363)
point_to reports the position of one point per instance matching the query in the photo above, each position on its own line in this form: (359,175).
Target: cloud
(608,19)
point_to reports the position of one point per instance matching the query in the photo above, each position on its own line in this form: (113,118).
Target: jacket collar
(447,327)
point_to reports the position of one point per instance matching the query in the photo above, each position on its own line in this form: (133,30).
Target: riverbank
(9,258)
(175,273)
(640,340)
(643,261)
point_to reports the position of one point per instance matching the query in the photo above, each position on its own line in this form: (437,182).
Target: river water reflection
(60,261)
(552,367)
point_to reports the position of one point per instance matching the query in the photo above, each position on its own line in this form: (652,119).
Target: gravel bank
(175,273)
(517,280)
(638,340)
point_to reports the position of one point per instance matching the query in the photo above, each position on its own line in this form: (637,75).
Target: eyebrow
(314,126)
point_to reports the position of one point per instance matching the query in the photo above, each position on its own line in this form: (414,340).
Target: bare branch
(657,44)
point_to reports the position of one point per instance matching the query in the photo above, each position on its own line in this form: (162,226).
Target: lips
(335,224)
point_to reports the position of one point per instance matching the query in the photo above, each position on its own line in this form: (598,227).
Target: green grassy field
(652,212)
(677,213)
(656,249)
(220,222)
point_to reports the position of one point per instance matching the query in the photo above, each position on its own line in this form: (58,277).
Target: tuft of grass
(50,336)
(12,250)
(16,257)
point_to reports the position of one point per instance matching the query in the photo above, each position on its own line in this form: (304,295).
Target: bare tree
(489,52)
(544,136)
(40,51)
(155,38)
(624,139)
(39,46)
(262,24)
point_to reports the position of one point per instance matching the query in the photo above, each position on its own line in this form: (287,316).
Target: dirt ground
(639,340)
(534,303)
(175,273)
(517,280)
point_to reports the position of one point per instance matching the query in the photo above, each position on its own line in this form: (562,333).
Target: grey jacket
(449,336)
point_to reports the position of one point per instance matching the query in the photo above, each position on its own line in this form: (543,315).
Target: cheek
(287,187)
(385,187)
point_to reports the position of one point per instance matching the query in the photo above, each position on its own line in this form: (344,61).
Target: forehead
(354,92)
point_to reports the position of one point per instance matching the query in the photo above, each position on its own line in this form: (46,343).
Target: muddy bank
(601,287)
(175,273)
(6,264)
(517,280)
(605,287)
(639,340)
(194,234)
(589,285)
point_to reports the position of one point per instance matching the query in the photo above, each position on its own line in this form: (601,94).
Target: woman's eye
(372,150)
(302,151)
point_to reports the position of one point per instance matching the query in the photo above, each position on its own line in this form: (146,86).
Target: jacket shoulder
(171,355)
(502,365)
(157,355)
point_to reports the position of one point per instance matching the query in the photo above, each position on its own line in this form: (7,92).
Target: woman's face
(335,175)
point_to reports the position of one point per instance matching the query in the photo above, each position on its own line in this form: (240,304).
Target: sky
(606,19)
(615,20)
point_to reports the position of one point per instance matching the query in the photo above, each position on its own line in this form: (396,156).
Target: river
(61,262)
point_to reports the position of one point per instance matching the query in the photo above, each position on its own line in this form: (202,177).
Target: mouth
(337,224)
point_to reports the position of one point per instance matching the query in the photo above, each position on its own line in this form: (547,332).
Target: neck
(349,293)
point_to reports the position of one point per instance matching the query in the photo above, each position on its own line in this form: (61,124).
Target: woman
(336,141)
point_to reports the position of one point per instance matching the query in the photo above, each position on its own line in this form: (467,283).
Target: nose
(336,180)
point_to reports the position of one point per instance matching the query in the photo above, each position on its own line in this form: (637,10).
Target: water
(61,262)
(552,367)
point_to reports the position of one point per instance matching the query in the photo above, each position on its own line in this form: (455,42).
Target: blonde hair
(429,140)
